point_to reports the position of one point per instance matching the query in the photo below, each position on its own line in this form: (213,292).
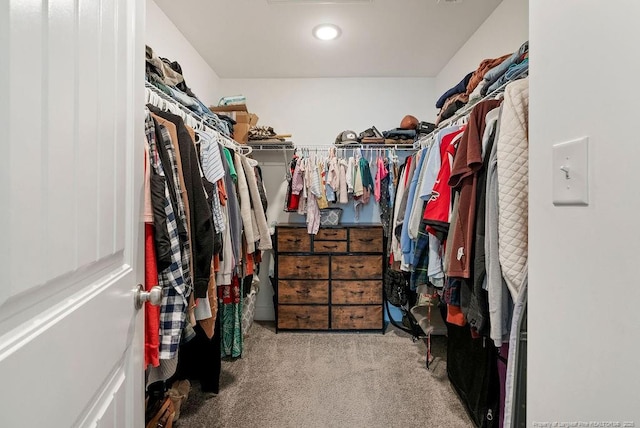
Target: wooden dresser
(332,281)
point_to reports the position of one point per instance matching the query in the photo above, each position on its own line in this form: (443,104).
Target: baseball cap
(346,137)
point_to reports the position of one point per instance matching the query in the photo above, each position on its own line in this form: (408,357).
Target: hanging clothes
(513,184)
(264,238)
(464,178)
(231,318)
(385,197)
(152,313)
(200,225)
(499,297)
(173,279)
(406,242)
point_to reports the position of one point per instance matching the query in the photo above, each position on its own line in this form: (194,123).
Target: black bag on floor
(472,366)
(395,287)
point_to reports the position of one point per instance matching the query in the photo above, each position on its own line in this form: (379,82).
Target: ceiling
(380,38)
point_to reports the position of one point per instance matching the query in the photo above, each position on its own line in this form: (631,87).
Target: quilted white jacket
(513,184)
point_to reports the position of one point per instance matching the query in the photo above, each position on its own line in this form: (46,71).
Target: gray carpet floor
(329,380)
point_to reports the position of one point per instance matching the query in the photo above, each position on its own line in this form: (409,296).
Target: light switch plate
(571,172)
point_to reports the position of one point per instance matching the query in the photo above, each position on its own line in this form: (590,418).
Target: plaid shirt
(175,288)
(182,216)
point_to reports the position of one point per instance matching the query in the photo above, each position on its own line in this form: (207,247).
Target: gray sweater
(500,307)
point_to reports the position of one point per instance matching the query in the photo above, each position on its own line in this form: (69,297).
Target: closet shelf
(376,146)
(257,145)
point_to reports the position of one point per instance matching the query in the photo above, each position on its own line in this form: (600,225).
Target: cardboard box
(244,117)
(240,116)
(244,120)
(241,132)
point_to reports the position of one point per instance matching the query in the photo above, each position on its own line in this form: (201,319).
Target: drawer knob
(305,291)
(329,247)
(303,267)
(303,317)
(294,240)
(357,292)
(357,317)
(331,233)
(356,267)
(366,239)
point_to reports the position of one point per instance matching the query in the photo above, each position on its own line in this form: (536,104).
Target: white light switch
(571,173)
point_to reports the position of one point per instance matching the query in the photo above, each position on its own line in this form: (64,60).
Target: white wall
(503,32)
(315,111)
(583,288)
(168,42)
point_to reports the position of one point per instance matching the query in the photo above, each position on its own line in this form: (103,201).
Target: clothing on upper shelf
(460,88)
(515,71)
(482,69)
(167,77)
(493,75)
(490,75)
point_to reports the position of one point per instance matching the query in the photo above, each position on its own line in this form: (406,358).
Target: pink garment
(380,174)
(313,215)
(297,181)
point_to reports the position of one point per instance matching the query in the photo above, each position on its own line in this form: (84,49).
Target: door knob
(154,296)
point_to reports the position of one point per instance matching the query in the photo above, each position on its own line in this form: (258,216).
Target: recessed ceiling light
(326,32)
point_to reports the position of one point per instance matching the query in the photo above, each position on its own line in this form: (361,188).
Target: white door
(71,147)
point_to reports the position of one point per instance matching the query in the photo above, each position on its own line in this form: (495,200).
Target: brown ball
(409,122)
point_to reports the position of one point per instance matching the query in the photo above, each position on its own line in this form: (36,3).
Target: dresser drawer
(356,267)
(293,240)
(329,246)
(303,291)
(303,317)
(356,292)
(331,235)
(365,240)
(303,267)
(356,317)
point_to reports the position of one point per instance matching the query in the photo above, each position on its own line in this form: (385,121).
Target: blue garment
(498,71)
(434,163)
(198,107)
(406,243)
(392,187)
(514,72)
(460,88)
(183,98)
